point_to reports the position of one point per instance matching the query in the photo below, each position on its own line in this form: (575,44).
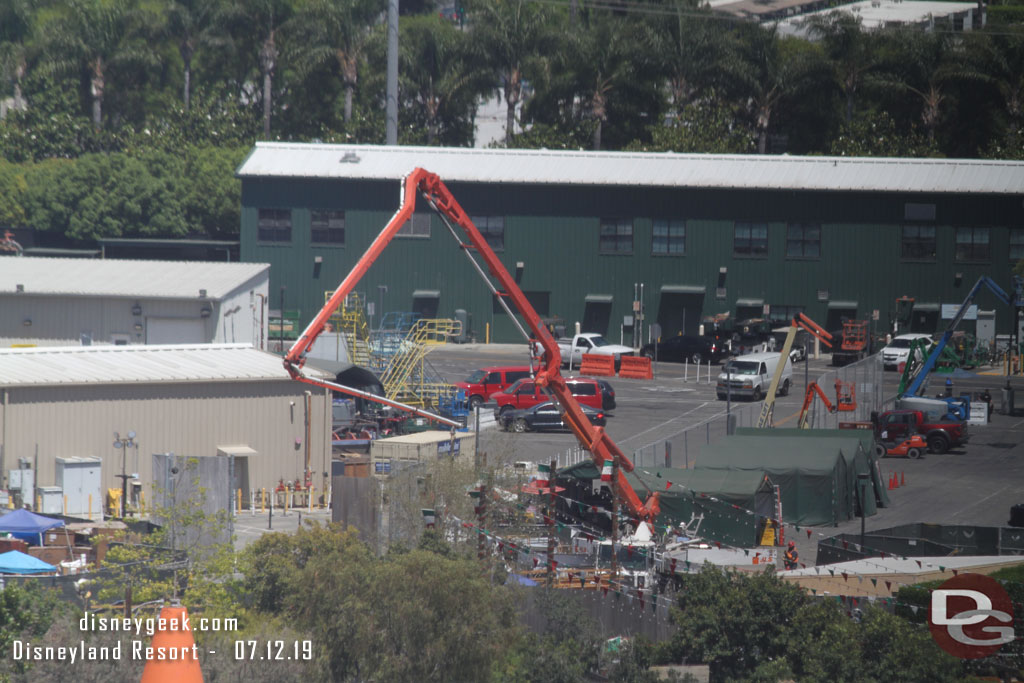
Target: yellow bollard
(238,508)
(39,503)
(263,500)
(90,506)
(487,333)
(142,502)
(311,490)
(65,506)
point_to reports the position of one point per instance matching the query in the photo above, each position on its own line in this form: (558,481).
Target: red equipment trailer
(437,195)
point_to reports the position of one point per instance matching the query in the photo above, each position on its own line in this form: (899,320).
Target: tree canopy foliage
(200,81)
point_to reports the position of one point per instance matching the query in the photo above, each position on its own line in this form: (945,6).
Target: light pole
(280,335)
(124,444)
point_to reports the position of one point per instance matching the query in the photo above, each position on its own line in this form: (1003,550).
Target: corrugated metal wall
(186,419)
(554,231)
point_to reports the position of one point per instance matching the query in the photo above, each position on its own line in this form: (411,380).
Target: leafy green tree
(997,61)
(705,127)
(97,37)
(875,135)
(691,47)
(335,32)
(441,77)
(514,35)
(26,612)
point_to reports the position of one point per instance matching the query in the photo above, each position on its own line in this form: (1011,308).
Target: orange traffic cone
(903,479)
(173,654)
(891,487)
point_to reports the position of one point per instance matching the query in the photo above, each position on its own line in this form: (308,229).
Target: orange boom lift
(437,195)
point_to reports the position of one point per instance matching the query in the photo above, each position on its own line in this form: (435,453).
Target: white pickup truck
(573,348)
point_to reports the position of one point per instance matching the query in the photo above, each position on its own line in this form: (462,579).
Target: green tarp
(718,505)
(816,479)
(857,447)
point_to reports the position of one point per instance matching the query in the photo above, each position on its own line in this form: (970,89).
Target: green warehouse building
(832,237)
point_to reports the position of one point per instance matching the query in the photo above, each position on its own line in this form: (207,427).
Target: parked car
(525,394)
(607,394)
(482,383)
(685,347)
(898,350)
(543,416)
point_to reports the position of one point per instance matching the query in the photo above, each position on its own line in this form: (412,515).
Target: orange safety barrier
(636,367)
(595,364)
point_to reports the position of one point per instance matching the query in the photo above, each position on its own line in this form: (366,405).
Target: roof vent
(350,158)
(19,288)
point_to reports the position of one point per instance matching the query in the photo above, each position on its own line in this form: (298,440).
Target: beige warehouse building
(218,400)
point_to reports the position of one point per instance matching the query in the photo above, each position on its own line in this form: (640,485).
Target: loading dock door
(597,313)
(679,309)
(176,331)
(837,312)
(425,302)
(925,318)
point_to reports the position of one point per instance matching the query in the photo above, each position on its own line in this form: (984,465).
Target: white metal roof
(876,14)
(128,278)
(905,565)
(76,365)
(299,160)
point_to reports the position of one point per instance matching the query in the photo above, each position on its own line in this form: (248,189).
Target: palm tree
(921,64)
(338,31)
(98,36)
(765,71)
(513,34)
(997,60)
(260,24)
(441,77)
(691,46)
(15,32)
(850,50)
(190,23)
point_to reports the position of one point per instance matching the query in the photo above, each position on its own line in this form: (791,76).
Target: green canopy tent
(725,506)
(858,448)
(815,481)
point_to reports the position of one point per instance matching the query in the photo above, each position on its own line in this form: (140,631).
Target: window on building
(493,230)
(803,240)
(327,227)
(1016,244)
(918,242)
(750,239)
(275,225)
(417,226)
(972,244)
(669,237)
(616,236)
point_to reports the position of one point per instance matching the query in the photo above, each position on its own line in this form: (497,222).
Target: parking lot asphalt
(975,484)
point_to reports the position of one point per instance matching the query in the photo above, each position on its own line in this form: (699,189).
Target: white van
(751,375)
(898,350)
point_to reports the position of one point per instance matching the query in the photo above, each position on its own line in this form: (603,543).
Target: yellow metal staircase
(350,321)
(406,377)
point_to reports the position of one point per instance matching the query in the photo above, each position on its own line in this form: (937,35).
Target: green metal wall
(553,231)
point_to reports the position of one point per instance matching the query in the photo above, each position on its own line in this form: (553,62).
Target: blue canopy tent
(27,526)
(17,562)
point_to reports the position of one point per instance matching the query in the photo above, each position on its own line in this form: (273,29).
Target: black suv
(686,348)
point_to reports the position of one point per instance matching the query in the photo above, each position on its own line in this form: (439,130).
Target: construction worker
(791,557)
(987,398)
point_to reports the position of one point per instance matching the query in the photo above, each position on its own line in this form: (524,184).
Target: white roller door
(175,331)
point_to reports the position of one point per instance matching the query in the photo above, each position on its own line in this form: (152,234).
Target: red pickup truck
(525,394)
(896,425)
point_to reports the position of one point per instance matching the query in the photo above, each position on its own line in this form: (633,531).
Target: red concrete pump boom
(548,377)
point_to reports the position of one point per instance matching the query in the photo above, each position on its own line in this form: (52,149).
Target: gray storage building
(192,400)
(59,301)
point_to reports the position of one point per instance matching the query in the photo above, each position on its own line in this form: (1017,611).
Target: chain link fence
(683,449)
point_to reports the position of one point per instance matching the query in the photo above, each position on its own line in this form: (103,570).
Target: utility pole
(615,519)
(391,85)
(280,320)
(551,524)
(124,444)
(481,521)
